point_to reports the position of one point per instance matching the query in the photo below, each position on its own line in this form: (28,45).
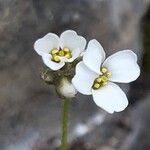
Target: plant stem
(64,128)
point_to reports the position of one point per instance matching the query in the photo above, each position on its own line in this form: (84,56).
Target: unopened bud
(47,76)
(65,88)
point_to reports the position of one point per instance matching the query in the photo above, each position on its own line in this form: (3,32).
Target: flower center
(102,79)
(57,53)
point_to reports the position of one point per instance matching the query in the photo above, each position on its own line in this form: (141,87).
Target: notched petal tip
(46,43)
(94,56)
(68,32)
(123,66)
(72,40)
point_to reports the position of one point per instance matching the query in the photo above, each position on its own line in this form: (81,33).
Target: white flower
(66,89)
(95,75)
(56,51)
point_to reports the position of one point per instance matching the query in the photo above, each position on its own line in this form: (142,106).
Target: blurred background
(30,111)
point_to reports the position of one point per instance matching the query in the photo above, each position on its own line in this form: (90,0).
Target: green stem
(64,128)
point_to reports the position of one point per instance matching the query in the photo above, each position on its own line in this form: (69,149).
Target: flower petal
(47,43)
(94,56)
(123,66)
(71,40)
(75,54)
(83,79)
(51,64)
(110,98)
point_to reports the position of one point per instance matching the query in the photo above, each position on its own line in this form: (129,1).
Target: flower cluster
(57,51)
(94,73)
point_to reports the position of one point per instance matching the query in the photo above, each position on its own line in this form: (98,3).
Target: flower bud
(47,76)
(65,88)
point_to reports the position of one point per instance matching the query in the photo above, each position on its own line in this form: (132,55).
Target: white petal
(110,98)
(71,40)
(83,79)
(51,64)
(47,43)
(123,66)
(94,56)
(66,89)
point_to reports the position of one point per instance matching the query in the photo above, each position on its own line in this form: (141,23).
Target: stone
(29,109)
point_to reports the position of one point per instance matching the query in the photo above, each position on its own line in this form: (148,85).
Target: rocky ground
(30,110)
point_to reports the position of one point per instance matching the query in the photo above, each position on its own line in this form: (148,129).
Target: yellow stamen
(61,53)
(68,55)
(56,58)
(99,80)
(54,51)
(66,49)
(96,85)
(102,79)
(108,74)
(57,53)
(104,70)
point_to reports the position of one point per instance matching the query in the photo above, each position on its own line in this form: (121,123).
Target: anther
(104,78)
(99,80)
(96,85)
(61,53)
(104,70)
(54,51)
(56,58)
(68,55)
(66,49)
